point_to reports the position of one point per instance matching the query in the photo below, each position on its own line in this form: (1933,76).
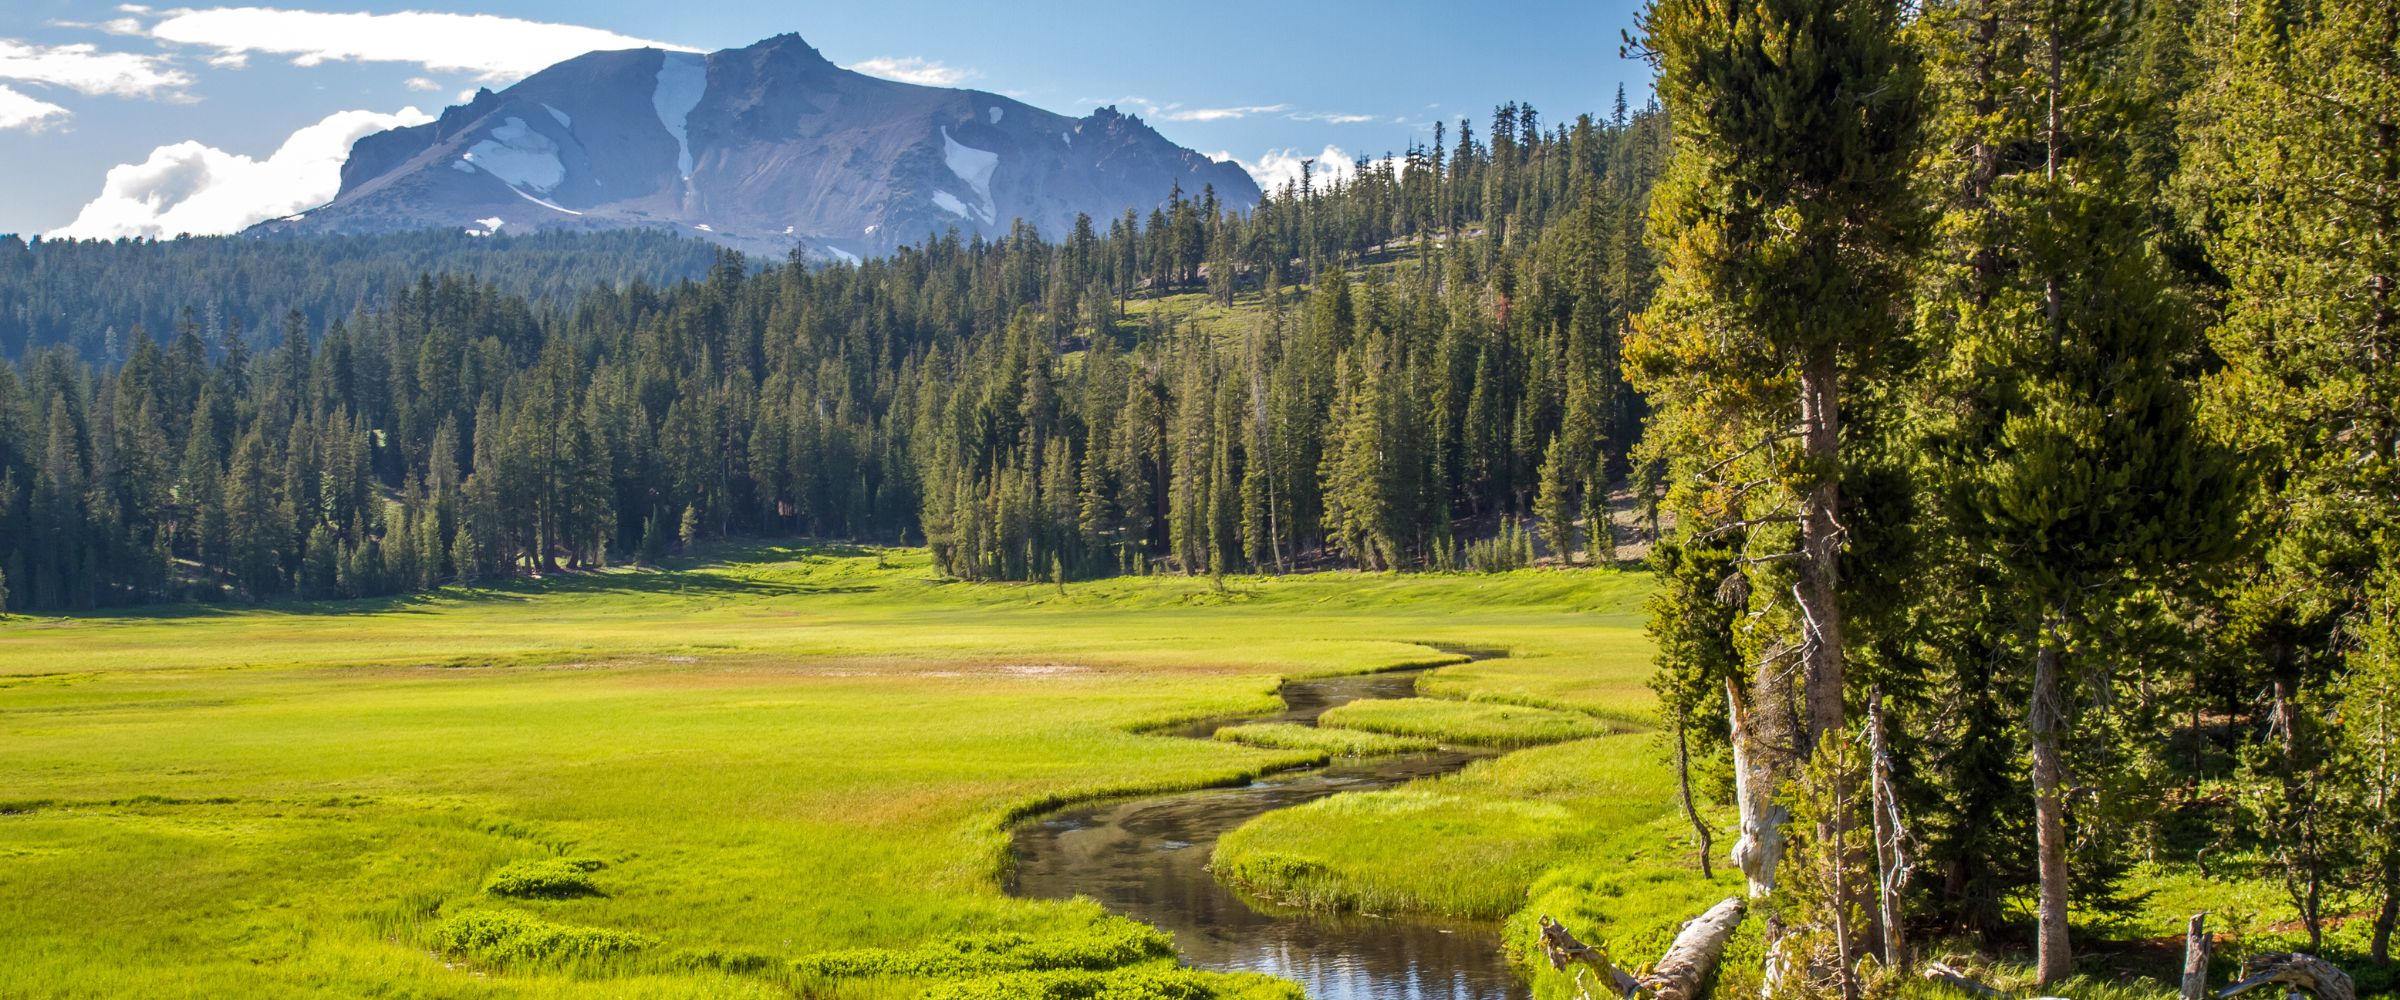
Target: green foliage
(1509,550)
(512,939)
(547,878)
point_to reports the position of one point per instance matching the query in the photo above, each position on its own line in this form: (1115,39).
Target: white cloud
(1278,167)
(193,188)
(911,69)
(24,111)
(85,69)
(421,83)
(1329,117)
(496,49)
(1179,113)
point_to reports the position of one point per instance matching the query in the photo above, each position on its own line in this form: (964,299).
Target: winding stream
(1147,858)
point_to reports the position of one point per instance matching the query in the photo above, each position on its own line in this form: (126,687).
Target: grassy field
(781,770)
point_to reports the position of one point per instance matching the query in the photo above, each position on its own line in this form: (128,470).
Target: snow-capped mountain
(763,148)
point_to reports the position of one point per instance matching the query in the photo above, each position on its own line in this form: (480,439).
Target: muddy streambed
(1147,858)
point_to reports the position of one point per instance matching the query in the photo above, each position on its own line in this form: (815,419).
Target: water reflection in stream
(1148,859)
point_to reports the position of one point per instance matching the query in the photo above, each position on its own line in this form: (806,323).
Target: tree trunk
(1682,973)
(1683,789)
(2380,948)
(2043,721)
(1820,545)
(1891,858)
(2195,958)
(1817,591)
(1760,846)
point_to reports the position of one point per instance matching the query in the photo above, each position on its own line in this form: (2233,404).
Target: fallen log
(2295,971)
(1681,974)
(1947,976)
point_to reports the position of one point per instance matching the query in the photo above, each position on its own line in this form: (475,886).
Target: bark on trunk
(1820,544)
(2195,958)
(1682,973)
(2380,949)
(1760,846)
(2042,721)
(1891,860)
(2295,972)
(1683,788)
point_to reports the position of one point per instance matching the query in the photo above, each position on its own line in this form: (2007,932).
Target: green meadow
(776,771)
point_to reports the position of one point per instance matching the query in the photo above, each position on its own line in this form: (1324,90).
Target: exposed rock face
(764,148)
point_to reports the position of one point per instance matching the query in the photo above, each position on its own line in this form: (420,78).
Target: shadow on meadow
(702,576)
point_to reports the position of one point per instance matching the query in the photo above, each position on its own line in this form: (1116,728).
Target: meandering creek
(1147,858)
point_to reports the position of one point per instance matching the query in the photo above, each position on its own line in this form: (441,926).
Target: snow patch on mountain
(682,81)
(519,156)
(996,110)
(545,204)
(494,223)
(975,167)
(560,115)
(949,203)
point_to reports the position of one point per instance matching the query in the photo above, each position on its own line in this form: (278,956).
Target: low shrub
(505,937)
(545,878)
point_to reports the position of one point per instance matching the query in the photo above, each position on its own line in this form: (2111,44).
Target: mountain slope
(764,148)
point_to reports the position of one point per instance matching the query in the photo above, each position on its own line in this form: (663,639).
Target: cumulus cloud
(1276,168)
(18,110)
(496,49)
(421,83)
(193,188)
(911,69)
(85,69)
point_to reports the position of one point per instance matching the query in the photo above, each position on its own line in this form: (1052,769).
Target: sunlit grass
(1469,723)
(777,754)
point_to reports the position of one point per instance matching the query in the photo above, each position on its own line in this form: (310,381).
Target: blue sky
(211,115)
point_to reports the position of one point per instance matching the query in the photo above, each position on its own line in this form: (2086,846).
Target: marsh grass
(1472,723)
(1466,845)
(546,878)
(1331,742)
(783,752)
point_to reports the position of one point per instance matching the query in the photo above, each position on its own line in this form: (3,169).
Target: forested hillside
(1345,372)
(94,295)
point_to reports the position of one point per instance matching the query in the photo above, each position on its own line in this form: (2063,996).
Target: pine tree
(2075,465)
(1781,219)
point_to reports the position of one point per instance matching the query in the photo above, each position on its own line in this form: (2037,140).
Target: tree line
(2024,371)
(1363,370)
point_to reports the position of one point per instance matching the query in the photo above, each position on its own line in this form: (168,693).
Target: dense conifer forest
(1345,372)
(2014,382)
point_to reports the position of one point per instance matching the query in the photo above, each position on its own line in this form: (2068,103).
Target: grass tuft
(546,878)
(1476,723)
(1333,742)
(509,938)
(1110,945)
